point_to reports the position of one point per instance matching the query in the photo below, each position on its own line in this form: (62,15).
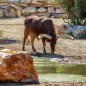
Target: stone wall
(28,7)
(41,8)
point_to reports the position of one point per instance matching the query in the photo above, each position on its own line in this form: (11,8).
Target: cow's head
(52,41)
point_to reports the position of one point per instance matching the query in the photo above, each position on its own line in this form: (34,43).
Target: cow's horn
(44,35)
(65,35)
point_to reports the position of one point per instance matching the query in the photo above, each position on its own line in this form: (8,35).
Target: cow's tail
(65,36)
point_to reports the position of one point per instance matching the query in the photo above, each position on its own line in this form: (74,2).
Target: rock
(11,11)
(12,1)
(42,1)
(8,51)
(50,5)
(29,10)
(17,1)
(77,31)
(34,3)
(43,14)
(1,13)
(58,10)
(42,9)
(51,10)
(56,15)
(15,10)
(47,15)
(40,14)
(17,67)
(26,1)
(5,13)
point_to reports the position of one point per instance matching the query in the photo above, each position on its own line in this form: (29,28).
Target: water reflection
(53,71)
(44,65)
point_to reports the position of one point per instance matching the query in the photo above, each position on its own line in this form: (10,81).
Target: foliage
(80,6)
(76,10)
(2,0)
(68,4)
(55,1)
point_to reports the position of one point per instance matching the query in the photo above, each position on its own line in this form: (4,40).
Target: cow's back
(40,25)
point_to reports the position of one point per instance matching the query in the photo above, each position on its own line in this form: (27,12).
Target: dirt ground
(12,38)
(74,51)
(13,30)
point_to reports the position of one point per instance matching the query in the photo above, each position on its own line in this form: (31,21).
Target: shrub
(76,10)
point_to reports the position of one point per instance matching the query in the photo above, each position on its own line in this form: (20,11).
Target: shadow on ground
(8,83)
(8,41)
(47,55)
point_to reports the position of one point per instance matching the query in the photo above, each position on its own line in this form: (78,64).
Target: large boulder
(16,67)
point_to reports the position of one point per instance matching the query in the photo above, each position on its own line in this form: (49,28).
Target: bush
(76,10)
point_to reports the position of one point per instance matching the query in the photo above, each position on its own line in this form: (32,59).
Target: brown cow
(42,27)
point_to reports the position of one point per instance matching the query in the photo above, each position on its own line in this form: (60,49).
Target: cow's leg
(44,44)
(32,43)
(24,39)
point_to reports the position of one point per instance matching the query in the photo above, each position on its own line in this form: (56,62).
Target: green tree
(76,10)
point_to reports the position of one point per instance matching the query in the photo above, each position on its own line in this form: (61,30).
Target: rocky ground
(73,51)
